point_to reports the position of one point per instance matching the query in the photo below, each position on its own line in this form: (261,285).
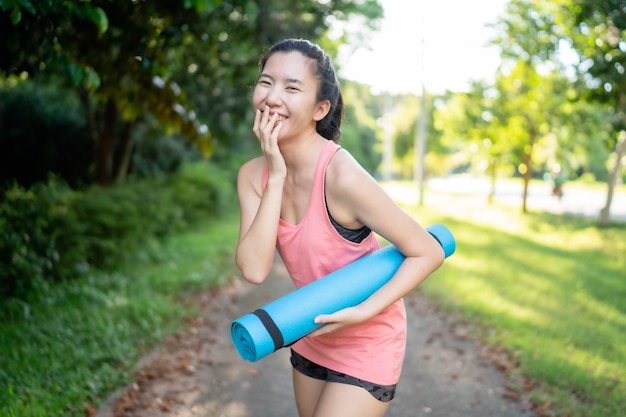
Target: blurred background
(96,92)
(124,123)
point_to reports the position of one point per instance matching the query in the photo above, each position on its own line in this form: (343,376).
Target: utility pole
(386,122)
(420,139)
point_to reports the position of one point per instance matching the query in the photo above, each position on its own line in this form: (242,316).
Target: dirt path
(199,373)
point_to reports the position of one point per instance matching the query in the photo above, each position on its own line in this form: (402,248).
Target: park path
(199,373)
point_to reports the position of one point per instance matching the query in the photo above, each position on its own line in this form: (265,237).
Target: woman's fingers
(257,123)
(269,123)
(265,126)
(342,318)
(276,130)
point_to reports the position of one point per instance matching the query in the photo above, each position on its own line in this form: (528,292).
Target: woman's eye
(263,82)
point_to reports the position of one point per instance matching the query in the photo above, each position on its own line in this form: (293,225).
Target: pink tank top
(373,350)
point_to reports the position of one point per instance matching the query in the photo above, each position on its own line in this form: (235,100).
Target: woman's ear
(322,109)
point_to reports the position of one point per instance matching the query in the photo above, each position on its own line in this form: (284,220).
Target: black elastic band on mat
(270,326)
(436,238)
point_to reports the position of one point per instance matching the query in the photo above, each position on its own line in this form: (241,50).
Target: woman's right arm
(260,214)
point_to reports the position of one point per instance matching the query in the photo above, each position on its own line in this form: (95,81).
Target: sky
(455,46)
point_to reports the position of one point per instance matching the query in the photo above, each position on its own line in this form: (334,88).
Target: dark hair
(329,88)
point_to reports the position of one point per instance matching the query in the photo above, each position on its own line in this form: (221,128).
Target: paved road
(575,201)
(199,373)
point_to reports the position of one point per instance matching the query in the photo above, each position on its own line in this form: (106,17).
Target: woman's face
(287,86)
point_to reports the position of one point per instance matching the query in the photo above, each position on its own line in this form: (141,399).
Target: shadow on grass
(552,292)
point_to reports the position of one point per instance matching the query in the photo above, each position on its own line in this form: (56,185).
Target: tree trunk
(125,152)
(527,160)
(526,178)
(605,213)
(103,169)
(92,125)
(493,168)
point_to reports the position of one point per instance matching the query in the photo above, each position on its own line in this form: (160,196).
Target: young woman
(308,198)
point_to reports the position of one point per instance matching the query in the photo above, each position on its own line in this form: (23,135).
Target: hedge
(50,232)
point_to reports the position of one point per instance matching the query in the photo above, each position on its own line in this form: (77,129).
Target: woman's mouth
(280,117)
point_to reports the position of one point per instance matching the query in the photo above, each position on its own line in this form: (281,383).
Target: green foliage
(73,344)
(40,237)
(404,113)
(582,139)
(472,132)
(50,233)
(202,189)
(526,32)
(43,131)
(531,36)
(83,10)
(359,131)
(155,153)
(531,120)
(598,31)
(530,108)
(187,64)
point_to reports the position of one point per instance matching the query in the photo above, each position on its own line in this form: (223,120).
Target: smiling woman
(286,95)
(311,200)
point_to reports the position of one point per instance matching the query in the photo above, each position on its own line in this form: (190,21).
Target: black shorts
(382,393)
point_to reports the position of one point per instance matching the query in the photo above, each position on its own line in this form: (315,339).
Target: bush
(115,219)
(50,232)
(43,130)
(38,230)
(202,189)
(156,153)
(587,178)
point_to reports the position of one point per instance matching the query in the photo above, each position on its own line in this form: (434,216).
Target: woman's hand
(266,128)
(342,318)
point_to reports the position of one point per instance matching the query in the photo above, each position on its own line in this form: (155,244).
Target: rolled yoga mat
(289,318)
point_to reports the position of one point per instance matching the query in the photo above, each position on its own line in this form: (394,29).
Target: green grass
(549,289)
(75,343)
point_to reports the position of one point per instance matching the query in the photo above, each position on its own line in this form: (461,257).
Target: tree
(359,131)
(528,42)
(471,129)
(406,109)
(598,33)
(132,59)
(115,54)
(580,143)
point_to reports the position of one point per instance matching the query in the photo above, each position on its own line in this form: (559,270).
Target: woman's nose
(273,97)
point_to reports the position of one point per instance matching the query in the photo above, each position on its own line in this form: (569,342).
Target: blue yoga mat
(289,318)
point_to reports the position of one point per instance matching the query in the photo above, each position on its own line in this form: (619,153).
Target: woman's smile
(279,118)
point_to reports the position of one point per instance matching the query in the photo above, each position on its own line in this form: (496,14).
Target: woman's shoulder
(344,169)
(252,167)
(251,174)
(346,178)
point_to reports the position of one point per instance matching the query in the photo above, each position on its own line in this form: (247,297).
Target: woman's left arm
(355,198)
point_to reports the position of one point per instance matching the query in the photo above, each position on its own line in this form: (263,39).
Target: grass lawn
(75,343)
(549,289)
